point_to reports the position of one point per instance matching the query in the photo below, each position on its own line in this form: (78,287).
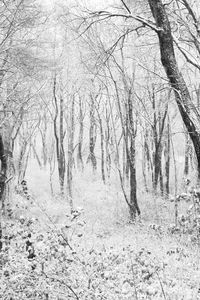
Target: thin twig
(62,282)
(124,4)
(161,285)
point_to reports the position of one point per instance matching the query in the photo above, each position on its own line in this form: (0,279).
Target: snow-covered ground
(97,253)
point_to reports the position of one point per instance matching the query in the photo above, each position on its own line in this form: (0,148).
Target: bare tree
(167,155)
(59,135)
(100,121)
(2,184)
(92,133)
(81,131)
(186,107)
(162,27)
(70,163)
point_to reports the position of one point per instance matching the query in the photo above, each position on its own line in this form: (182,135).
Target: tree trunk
(80,142)
(102,151)
(92,137)
(167,158)
(158,128)
(147,153)
(59,138)
(2,183)
(36,156)
(144,165)
(108,158)
(187,154)
(43,133)
(70,154)
(134,208)
(51,161)
(187,110)
(127,166)
(22,158)
(62,152)
(161,181)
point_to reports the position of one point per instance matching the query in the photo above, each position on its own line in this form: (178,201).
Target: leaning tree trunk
(187,110)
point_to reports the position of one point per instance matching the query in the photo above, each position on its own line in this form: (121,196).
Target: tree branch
(126,7)
(103,15)
(189,60)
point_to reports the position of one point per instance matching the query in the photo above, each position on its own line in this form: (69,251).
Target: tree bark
(144,165)
(134,208)
(177,82)
(187,154)
(167,158)
(2,183)
(59,138)
(158,130)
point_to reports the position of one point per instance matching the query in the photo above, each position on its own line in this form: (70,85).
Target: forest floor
(96,253)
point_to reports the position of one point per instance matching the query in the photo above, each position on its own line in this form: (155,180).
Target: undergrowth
(73,258)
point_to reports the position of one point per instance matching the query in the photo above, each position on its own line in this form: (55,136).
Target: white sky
(93,4)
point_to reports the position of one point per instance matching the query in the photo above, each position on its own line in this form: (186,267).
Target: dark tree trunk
(134,208)
(107,144)
(3,168)
(59,138)
(186,107)
(156,159)
(167,158)
(2,183)
(147,154)
(161,181)
(158,130)
(144,165)
(187,154)
(127,166)
(126,163)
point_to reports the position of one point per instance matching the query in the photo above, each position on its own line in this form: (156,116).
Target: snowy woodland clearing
(99,149)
